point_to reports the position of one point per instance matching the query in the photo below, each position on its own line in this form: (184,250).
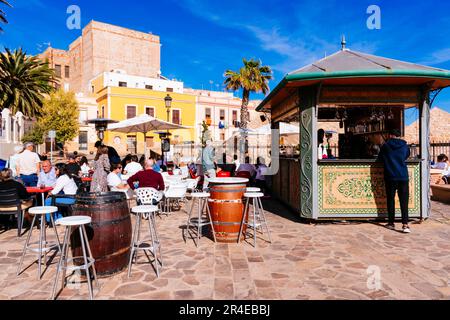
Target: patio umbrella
(143,124)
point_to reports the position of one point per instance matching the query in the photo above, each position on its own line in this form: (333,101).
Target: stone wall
(439,127)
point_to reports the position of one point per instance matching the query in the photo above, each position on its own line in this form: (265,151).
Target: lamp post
(100,126)
(168,102)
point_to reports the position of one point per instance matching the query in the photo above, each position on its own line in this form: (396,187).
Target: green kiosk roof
(347,67)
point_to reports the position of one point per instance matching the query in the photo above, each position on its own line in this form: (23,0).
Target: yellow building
(121,96)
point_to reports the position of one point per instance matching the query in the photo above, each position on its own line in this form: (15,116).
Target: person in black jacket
(113,156)
(394,154)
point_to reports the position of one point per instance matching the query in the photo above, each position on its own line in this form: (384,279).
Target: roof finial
(343,43)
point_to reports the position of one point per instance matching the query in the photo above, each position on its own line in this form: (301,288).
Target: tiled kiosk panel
(358,190)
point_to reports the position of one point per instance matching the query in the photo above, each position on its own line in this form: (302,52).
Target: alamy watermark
(73,22)
(374,278)
(374,20)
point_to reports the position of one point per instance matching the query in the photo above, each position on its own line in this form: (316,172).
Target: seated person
(441,163)
(7,183)
(156,166)
(84,165)
(115,182)
(261,170)
(73,168)
(247,167)
(147,178)
(132,167)
(47,176)
(65,185)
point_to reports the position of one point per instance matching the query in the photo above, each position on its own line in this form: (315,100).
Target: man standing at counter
(394,154)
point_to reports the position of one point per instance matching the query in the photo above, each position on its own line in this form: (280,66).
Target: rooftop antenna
(343,43)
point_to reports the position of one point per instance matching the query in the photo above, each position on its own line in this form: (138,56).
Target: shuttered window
(131,112)
(176,116)
(150,111)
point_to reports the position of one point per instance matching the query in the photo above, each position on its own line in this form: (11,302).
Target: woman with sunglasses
(115,182)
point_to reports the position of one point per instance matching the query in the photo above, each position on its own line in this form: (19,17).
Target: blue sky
(201,39)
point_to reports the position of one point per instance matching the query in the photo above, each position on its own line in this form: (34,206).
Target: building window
(93,89)
(83,116)
(208,116)
(83,140)
(150,111)
(131,112)
(122,84)
(235,119)
(176,116)
(132,144)
(58,70)
(103,111)
(149,87)
(67,71)
(222,136)
(169,90)
(222,114)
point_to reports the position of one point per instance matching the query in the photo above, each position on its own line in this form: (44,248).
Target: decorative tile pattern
(359,189)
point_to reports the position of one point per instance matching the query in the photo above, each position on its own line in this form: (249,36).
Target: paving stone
(305,261)
(133,289)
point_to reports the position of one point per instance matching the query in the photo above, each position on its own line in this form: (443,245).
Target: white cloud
(437,57)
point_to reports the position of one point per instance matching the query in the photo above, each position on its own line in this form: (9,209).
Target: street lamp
(168,102)
(100,126)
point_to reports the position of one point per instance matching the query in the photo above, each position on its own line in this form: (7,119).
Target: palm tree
(2,13)
(24,82)
(252,77)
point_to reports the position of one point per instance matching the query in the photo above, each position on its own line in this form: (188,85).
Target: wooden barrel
(109,233)
(227,208)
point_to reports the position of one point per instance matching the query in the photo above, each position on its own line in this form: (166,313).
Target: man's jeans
(402,188)
(210,174)
(29,180)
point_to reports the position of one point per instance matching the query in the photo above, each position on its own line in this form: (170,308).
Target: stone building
(439,127)
(103,47)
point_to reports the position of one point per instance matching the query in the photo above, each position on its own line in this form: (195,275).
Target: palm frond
(25,81)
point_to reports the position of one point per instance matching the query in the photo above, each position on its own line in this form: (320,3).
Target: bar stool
(251,189)
(76,222)
(138,244)
(41,247)
(258,218)
(201,220)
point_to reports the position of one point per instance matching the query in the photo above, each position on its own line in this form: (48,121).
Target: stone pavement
(305,261)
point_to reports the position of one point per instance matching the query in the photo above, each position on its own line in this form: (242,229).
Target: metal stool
(251,189)
(258,218)
(70,223)
(138,244)
(200,221)
(42,246)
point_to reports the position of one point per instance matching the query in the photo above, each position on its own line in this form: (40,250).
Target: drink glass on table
(42,186)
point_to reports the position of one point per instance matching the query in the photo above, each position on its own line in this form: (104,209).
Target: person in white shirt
(115,182)
(28,166)
(13,160)
(133,167)
(65,185)
(84,165)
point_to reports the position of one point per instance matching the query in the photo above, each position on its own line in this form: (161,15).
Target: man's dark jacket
(394,154)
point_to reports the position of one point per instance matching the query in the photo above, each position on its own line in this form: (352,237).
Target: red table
(86,179)
(38,190)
